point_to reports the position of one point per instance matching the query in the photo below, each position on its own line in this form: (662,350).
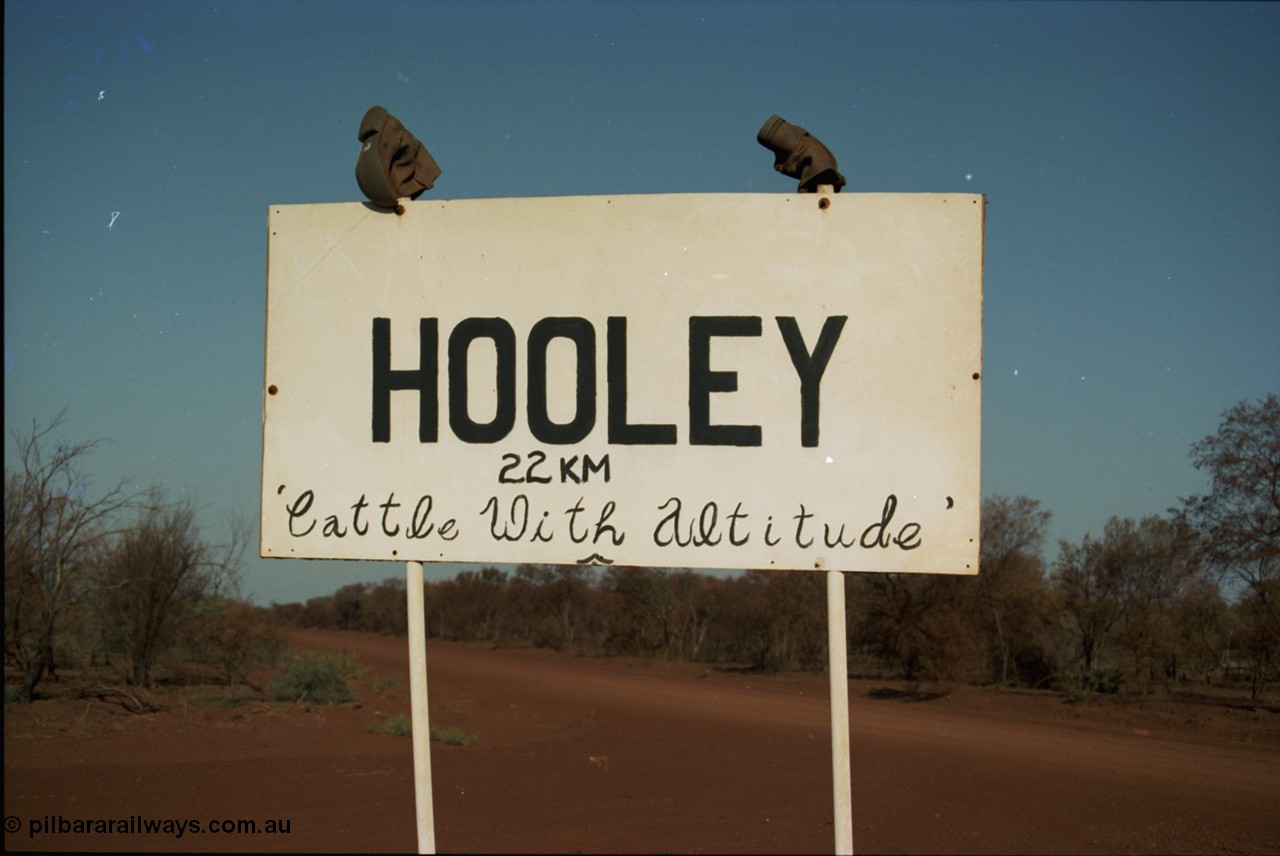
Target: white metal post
(418,708)
(838,673)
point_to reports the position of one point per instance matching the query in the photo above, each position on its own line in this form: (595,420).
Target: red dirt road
(579,754)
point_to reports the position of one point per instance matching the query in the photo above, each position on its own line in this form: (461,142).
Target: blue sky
(1130,154)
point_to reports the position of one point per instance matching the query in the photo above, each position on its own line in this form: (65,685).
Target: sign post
(785,382)
(838,676)
(418,709)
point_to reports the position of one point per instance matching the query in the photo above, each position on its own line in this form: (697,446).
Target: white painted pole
(838,673)
(418,708)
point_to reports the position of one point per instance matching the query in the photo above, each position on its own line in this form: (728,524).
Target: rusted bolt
(399,210)
(976,375)
(273,389)
(824,203)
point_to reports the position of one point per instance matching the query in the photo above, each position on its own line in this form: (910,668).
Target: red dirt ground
(592,755)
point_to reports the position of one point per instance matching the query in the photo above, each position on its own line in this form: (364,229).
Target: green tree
(470,606)
(1203,626)
(641,611)
(53,525)
(348,606)
(318,612)
(695,610)
(385,609)
(157,569)
(1011,590)
(743,632)
(1239,519)
(1118,592)
(921,625)
(233,636)
(1165,565)
(562,596)
(796,619)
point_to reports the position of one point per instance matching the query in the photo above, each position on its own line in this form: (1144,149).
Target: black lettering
(573,519)
(908,538)
(673,520)
(359,505)
(839,541)
(734,517)
(425,379)
(536,459)
(768,533)
(519,517)
(503,337)
(707,525)
(513,461)
(418,525)
(538,534)
(800,520)
(810,368)
(300,506)
(583,335)
(567,473)
(589,466)
(702,532)
(879,532)
(621,432)
(570,474)
(703,381)
(603,528)
(386,509)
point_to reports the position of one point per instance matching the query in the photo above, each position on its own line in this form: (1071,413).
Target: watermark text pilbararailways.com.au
(136,824)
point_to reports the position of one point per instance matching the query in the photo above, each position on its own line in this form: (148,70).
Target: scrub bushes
(319,678)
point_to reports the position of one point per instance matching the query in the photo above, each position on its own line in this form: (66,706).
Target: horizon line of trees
(1131,609)
(125,582)
(1190,598)
(117,582)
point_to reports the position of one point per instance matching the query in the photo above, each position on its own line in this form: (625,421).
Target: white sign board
(709,381)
